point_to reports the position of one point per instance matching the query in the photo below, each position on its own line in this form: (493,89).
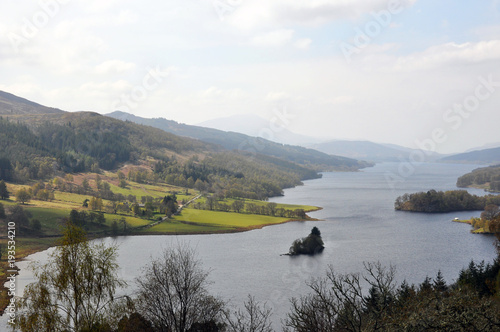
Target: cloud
(221,94)
(273,38)
(303,43)
(257,14)
(488,32)
(278,96)
(114,67)
(450,54)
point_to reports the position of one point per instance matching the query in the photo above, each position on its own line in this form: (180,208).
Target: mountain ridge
(252,145)
(486,156)
(367,150)
(11,104)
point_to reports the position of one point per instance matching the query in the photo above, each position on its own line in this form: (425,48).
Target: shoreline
(473,231)
(32,249)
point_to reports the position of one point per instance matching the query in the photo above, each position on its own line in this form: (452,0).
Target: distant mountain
(366,150)
(484,147)
(237,141)
(14,105)
(255,126)
(486,156)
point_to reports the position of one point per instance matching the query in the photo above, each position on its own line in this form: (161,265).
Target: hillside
(11,104)
(486,156)
(485,177)
(235,141)
(38,146)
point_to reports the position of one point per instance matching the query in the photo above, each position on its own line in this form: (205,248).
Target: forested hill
(484,177)
(486,156)
(235,141)
(11,104)
(41,146)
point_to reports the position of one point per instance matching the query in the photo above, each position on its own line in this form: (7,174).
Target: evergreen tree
(4,193)
(2,211)
(114,228)
(439,284)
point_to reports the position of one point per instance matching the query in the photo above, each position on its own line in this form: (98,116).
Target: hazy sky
(388,71)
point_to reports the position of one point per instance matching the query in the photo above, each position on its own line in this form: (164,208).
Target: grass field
(306,208)
(204,221)
(228,219)
(179,227)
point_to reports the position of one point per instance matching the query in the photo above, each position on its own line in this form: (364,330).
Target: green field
(228,219)
(202,221)
(306,208)
(191,221)
(179,227)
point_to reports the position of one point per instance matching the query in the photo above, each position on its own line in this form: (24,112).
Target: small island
(310,245)
(434,201)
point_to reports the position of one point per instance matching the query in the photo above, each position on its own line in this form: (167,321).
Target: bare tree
(173,292)
(255,318)
(337,302)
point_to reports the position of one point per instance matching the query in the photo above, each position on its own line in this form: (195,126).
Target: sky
(418,73)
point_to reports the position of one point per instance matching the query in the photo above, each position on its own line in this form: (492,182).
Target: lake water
(358,224)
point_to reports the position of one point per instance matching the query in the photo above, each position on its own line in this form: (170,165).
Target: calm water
(359,224)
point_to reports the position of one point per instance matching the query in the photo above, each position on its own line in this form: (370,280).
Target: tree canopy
(75,290)
(448,201)
(310,245)
(4,193)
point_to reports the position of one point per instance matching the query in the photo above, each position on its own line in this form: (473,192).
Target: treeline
(212,203)
(338,302)
(173,295)
(485,176)
(448,201)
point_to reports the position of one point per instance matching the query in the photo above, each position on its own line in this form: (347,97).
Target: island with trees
(310,245)
(434,201)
